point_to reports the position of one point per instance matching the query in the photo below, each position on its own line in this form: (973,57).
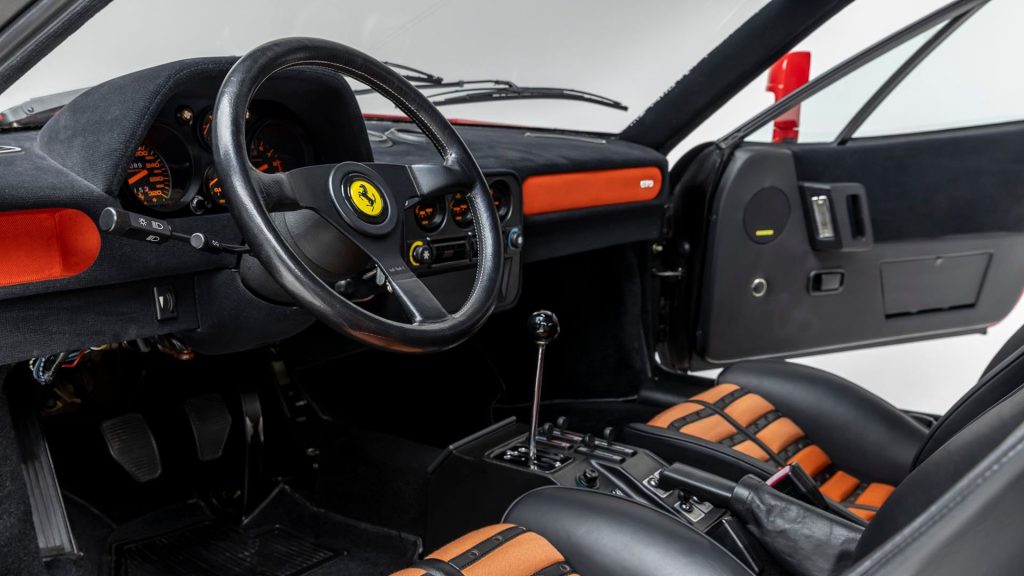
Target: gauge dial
(278,146)
(459,207)
(149,178)
(204,130)
(265,158)
(429,214)
(214,189)
(502,199)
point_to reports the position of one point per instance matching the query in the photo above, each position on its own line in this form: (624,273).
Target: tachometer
(149,178)
(265,158)
(278,146)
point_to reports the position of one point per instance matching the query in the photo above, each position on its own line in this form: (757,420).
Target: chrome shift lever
(543,327)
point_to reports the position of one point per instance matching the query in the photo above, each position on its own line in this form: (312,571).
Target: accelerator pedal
(211,424)
(131,443)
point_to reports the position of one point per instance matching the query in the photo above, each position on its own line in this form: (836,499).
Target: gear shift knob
(543,327)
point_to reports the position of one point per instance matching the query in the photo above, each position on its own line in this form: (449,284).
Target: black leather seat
(857,447)
(959,511)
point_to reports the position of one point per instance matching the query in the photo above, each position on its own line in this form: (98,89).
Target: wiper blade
(36,111)
(474,91)
(474,95)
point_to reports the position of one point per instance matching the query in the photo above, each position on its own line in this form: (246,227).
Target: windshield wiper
(36,111)
(474,91)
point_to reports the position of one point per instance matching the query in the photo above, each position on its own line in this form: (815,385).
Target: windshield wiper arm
(473,91)
(514,92)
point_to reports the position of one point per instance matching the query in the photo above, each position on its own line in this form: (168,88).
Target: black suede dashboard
(79,160)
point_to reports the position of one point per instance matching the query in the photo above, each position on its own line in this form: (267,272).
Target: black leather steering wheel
(364,201)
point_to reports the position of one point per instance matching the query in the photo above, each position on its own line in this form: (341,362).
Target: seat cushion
(498,550)
(739,420)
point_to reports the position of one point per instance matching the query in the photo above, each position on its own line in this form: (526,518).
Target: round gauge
(429,214)
(149,178)
(159,174)
(459,207)
(278,146)
(502,199)
(214,189)
(204,130)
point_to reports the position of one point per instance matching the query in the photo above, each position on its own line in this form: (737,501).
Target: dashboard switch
(515,239)
(134,226)
(166,303)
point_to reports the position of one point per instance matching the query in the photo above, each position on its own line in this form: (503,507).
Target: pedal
(211,424)
(132,445)
(48,513)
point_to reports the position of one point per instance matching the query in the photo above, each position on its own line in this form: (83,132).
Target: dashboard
(141,142)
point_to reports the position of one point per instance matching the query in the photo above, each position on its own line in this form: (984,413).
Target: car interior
(248,328)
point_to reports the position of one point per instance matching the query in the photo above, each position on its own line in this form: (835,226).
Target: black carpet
(286,536)
(19,549)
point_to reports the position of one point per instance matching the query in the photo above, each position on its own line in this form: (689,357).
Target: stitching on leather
(962,495)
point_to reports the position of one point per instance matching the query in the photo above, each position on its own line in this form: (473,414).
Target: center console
(475,480)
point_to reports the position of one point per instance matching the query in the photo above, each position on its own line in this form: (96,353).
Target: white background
(631,51)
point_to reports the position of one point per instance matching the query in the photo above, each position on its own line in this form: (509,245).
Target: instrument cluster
(172,169)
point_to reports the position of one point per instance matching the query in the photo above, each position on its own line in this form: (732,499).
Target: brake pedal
(211,424)
(132,445)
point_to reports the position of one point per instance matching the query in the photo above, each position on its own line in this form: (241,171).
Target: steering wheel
(364,201)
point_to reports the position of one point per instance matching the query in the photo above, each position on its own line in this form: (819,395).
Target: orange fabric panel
(748,408)
(839,486)
(674,413)
(468,541)
(779,434)
(865,514)
(875,495)
(47,244)
(409,572)
(524,555)
(751,449)
(713,428)
(812,459)
(711,395)
(573,190)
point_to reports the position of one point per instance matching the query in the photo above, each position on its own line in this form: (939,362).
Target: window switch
(165,302)
(827,281)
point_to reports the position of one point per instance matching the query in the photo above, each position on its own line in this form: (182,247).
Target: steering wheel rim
(329,191)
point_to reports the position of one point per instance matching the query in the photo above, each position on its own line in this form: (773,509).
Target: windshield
(629,52)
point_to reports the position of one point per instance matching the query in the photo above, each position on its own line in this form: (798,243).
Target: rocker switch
(165,302)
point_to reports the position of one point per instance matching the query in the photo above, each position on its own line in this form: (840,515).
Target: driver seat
(763,415)
(958,511)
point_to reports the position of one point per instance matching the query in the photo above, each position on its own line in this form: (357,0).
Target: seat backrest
(949,464)
(1002,376)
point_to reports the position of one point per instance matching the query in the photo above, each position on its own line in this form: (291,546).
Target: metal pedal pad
(131,443)
(211,424)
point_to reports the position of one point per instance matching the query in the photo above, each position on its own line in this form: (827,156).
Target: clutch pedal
(131,443)
(211,424)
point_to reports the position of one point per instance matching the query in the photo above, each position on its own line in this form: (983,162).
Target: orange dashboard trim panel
(574,190)
(47,244)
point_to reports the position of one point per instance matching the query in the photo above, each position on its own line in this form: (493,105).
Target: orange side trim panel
(37,245)
(574,190)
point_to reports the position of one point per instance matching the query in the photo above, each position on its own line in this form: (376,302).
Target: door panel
(927,240)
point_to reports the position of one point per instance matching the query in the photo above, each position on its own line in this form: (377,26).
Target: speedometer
(149,178)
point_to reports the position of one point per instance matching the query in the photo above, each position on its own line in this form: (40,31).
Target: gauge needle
(263,167)
(137,176)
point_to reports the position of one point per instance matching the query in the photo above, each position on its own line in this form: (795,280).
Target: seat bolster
(672,446)
(861,433)
(605,535)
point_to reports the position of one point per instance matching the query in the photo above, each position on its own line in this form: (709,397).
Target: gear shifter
(543,326)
